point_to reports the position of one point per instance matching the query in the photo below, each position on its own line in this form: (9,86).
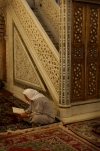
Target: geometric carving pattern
(49,61)
(51,12)
(24,70)
(85,51)
(77,80)
(93,25)
(77,53)
(93,53)
(78,17)
(92,79)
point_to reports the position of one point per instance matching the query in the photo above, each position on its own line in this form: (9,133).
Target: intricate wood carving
(93,48)
(78,45)
(85,51)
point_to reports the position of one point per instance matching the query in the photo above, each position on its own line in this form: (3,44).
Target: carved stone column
(65,52)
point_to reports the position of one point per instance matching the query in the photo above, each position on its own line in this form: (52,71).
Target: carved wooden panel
(93,48)
(85,51)
(78,52)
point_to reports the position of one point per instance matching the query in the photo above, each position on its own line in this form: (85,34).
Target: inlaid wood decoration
(85,53)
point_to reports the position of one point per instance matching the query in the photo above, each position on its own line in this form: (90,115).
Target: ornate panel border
(68,49)
(65,52)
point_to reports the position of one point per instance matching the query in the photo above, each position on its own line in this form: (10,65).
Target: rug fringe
(41,128)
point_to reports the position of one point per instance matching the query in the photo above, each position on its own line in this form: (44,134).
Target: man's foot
(34,125)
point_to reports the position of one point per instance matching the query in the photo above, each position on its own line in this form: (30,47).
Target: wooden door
(85,51)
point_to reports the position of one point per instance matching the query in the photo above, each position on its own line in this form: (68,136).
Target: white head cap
(32,94)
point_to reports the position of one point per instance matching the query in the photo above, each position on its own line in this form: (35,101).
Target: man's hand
(24,115)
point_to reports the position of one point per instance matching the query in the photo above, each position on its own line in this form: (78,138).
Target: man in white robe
(40,110)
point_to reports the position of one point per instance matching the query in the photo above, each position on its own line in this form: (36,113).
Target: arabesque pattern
(45,54)
(92,78)
(77,53)
(77,80)
(23,67)
(85,51)
(78,16)
(93,25)
(51,12)
(93,52)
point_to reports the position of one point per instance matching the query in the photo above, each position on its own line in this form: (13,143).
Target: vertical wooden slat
(93,48)
(78,52)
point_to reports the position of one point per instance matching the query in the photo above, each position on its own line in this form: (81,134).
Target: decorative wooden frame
(89,1)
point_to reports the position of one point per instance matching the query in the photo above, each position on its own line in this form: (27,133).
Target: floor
(68,120)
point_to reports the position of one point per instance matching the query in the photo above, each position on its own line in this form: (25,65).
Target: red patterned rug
(89,130)
(47,138)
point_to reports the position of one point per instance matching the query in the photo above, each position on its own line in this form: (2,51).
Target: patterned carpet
(47,138)
(17,135)
(8,120)
(89,130)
